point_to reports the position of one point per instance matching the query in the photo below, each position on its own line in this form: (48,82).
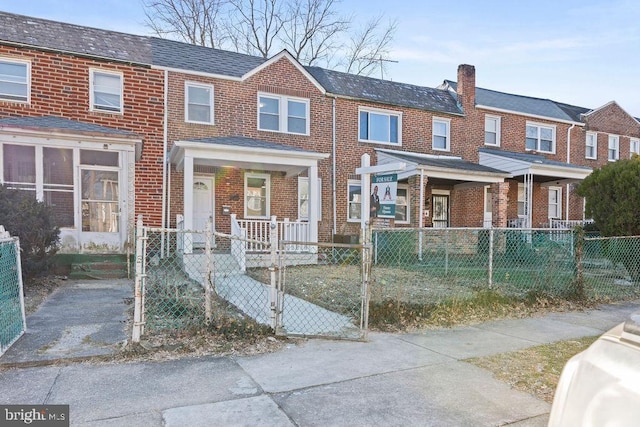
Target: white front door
(488,207)
(203,208)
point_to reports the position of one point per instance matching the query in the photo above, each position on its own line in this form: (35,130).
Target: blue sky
(582,52)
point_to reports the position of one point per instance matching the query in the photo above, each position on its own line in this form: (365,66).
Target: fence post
(207,274)
(491,240)
(137,309)
(579,269)
(446,251)
(272,273)
(367,261)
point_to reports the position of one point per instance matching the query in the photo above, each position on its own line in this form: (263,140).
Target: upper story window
(441,134)
(591,146)
(634,147)
(614,148)
(278,113)
(14,80)
(380,126)
(541,138)
(106,91)
(492,130)
(198,100)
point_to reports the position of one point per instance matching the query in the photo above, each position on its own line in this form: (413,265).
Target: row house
(106,126)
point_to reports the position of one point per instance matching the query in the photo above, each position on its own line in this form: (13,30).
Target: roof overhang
(291,162)
(546,172)
(450,168)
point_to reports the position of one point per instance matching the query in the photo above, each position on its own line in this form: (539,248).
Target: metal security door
(440,211)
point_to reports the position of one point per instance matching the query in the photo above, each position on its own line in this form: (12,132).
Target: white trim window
(541,138)
(441,130)
(402,205)
(257,195)
(15,80)
(522,200)
(106,91)
(591,146)
(634,147)
(614,148)
(492,130)
(198,103)
(379,126)
(303,198)
(354,201)
(277,113)
(555,202)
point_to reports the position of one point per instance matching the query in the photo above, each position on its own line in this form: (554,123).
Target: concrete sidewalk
(394,379)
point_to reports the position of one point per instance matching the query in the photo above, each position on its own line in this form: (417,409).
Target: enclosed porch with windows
(254,190)
(541,191)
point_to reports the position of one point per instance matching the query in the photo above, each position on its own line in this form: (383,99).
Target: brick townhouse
(106,126)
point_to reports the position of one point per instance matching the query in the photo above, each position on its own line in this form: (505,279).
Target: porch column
(187,197)
(499,192)
(313,201)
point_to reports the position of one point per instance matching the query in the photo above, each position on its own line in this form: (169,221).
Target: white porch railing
(256,230)
(568,224)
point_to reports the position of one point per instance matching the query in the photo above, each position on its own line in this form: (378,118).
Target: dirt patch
(535,370)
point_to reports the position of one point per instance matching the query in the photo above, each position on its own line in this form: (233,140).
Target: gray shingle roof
(385,91)
(530,158)
(178,55)
(242,141)
(445,162)
(526,104)
(74,38)
(60,124)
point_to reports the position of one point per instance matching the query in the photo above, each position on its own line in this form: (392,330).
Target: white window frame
(12,98)
(447,136)
(557,204)
(634,147)
(301,197)
(593,144)
(522,200)
(197,85)
(408,205)
(613,150)
(103,108)
(494,119)
(541,126)
(380,112)
(354,183)
(283,113)
(267,179)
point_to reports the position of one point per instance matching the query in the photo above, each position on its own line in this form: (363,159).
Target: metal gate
(323,290)
(12,316)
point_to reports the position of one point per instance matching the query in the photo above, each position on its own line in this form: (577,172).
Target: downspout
(165,138)
(568,186)
(333,166)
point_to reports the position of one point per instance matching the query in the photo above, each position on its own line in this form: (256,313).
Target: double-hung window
(555,202)
(14,80)
(198,100)
(257,191)
(303,198)
(402,204)
(591,146)
(541,138)
(354,201)
(285,114)
(492,130)
(614,148)
(380,126)
(441,134)
(634,147)
(106,91)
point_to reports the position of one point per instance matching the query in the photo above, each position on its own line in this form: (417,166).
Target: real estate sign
(383,195)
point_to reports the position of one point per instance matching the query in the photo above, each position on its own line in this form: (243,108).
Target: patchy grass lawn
(535,370)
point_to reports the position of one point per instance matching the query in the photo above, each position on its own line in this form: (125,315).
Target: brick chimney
(466,88)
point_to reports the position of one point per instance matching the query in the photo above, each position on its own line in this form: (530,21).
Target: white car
(601,385)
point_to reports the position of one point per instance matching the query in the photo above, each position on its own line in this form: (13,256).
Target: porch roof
(539,166)
(449,168)
(246,153)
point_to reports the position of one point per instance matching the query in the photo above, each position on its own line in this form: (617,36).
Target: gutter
(566,209)
(333,165)
(165,137)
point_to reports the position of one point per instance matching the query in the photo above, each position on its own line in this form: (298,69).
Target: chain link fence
(430,266)
(12,315)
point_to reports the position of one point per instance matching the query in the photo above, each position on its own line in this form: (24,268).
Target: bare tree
(369,48)
(192,21)
(311,30)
